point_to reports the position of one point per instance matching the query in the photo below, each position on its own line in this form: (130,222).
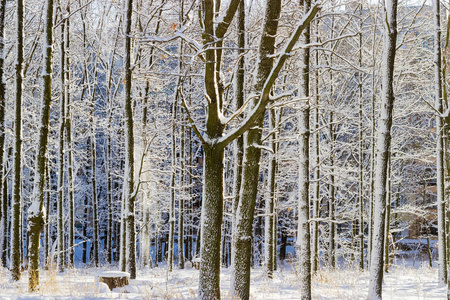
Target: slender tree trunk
(190,229)
(145,239)
(361,150)
(93,155)
(373,154)
(110,159)
(172,188)
(17,154)
(383,147)
(331,204)
(4,213)
(303,242)
(239,99)
(47,238)
(62,123)
(109,234)
(316,158)
(86,217)
(442,142)
(181,205)
(270,200)
(70,158)
(129,192)
(36,210)
(304,236)
(388,216)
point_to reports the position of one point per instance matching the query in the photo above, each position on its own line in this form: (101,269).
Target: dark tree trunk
(36,211)
(17,165)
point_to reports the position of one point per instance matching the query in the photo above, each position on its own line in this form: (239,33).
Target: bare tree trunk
(242,241)
(303,242)
(70,158)
(331,199)
(36,210)
(211,225)
(181,206)
(214,142)
(129,192)
(373,154)
(172,188)
(17,154)
(62,123)
(47,238)
(361,150)
(4,213)
(388,216)
(442,129)
(239,98)
(316,158)
(383,147)
(270,200)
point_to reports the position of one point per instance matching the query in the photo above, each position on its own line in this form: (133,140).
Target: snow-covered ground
(403,282)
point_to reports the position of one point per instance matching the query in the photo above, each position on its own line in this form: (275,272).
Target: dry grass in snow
(401,283)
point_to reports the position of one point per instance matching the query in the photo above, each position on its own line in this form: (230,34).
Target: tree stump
(114,279)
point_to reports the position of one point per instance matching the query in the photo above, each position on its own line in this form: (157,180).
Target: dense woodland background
(235,133)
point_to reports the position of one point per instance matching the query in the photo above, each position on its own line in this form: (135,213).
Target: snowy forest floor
(404,281)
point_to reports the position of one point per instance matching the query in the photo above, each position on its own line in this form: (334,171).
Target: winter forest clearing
(234,149)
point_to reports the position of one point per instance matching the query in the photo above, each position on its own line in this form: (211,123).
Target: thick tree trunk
(242,235)
(214,141)
(383,147)
(211,227)
(36,211)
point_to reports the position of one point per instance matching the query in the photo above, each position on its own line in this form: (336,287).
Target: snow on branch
(264,96)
